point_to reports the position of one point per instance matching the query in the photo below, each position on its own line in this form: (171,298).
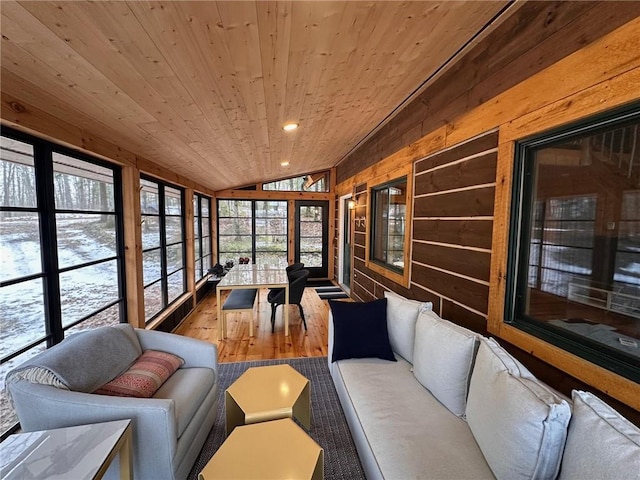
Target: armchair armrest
(196,353)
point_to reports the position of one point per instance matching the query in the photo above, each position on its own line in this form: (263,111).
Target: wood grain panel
(468,203)
(473,147)
(361,293)
(471,294)
(477,171)
(359,239)
(470,263)
(468,233)
(460,315)
(536,36)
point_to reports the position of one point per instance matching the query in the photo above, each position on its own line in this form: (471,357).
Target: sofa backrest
(84,361)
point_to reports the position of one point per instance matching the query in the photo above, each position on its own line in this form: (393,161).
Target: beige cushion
(602,444)
(443,360)
(402,314)
(518,422)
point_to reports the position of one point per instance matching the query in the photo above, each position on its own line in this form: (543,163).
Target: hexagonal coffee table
(269,451)
(268,393)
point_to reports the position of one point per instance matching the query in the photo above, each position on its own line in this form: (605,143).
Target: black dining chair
(297,282)
(294,267)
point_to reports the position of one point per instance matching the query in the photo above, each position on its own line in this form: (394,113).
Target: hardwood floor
(202,323)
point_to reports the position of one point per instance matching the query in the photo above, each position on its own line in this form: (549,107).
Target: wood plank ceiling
(204,88)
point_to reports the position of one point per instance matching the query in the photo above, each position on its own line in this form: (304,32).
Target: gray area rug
(328,424)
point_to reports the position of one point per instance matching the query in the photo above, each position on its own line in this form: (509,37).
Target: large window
(388,222)
(162,245)
(254,229)
(60,249)
(574,273)
(318,182)
(201,234)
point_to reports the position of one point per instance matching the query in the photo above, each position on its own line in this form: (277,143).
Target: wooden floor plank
(202,324)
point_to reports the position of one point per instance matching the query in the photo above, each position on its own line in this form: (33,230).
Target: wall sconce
(351,204)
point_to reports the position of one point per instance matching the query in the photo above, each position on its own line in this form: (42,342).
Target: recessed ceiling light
(288,127)
(284,164)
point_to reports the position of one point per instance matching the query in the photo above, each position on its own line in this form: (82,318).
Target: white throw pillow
(519,423)
(602,444)
(402,314)
(443,360)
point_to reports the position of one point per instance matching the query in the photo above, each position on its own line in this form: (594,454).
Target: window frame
(50,271)
(520,213)
(400,276)
(163,247)
(198,236)
(252,218)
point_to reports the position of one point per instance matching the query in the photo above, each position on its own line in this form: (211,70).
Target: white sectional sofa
(455,405)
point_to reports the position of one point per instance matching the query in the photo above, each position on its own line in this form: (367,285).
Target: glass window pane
(198,269)
(151,266)
(197,253)
(80,185)
(235,244)
(17,174)
(579,252)
(150,232)
(206,263)
(22,320)
(305,183)
(311,229)
(271,243)
(172,201)
(235,226)
(152,300)
(174,257)
(85,237)
(87,289)
(276,209)
(176,285)
(311,259)
(388,225)
(206,246)
(206,206)
(149,198)
(271,258)
(311,244)
(174,229)
(234,208)
(108,317)
(272,226)
(196,227)
(19,245)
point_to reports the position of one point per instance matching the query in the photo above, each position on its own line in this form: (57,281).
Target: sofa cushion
(188,388)
(103,353)
(402,314)
(518,422)
(360,330)
(410,433)
(144,377)
(443,360)
(601,444)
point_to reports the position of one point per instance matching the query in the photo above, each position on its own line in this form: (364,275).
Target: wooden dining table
(253,276)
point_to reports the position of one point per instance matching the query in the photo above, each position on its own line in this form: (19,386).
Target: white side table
(82,452)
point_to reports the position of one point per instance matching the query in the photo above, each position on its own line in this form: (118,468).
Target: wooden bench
(241,300)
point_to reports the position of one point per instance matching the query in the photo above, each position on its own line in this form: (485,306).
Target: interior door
(312,236)
(344,277)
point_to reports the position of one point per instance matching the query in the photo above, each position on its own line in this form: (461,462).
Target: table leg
(220,322)
(286,311)
(126,464)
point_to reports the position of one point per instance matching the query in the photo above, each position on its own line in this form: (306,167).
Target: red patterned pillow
(144,377)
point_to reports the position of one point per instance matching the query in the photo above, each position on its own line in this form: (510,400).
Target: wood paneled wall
(463,176)
(535,37)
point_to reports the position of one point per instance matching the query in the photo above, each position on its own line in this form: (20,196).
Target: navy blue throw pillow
(360,330)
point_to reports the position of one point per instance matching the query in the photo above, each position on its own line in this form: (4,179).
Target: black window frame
(522,210)
(253,234)
(43,162)
(199,227)
(374,227)
(162,221)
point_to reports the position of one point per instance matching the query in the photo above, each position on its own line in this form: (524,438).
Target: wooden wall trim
(271,195)
(190,258)
(27,118)
(133,246)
